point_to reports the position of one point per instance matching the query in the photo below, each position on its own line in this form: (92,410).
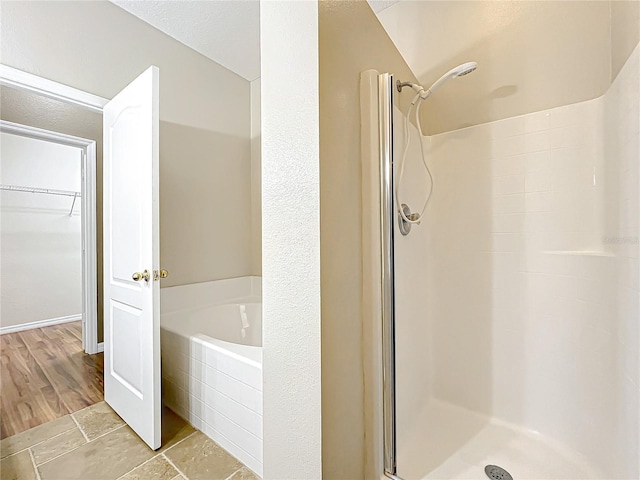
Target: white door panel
(131,231)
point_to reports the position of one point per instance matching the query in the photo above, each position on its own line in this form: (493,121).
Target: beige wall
(205,204)
(256,179)
(205,122)
(531,55)
(351,41)
(100,48)
(625,32)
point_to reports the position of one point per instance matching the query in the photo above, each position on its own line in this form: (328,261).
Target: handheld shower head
(406,217)
(465,69)
(459,71)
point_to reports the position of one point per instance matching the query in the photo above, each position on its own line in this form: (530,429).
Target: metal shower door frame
(385,125)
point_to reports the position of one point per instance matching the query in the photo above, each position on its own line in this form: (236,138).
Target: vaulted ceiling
(227,32)
(531,55)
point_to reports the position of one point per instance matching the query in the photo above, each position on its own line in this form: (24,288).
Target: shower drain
(497,473)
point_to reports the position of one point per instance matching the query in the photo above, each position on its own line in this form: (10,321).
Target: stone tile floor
(95,444)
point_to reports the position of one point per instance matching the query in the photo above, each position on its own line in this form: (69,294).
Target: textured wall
(290,241)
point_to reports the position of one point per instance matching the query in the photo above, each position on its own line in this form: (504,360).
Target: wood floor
(44,375)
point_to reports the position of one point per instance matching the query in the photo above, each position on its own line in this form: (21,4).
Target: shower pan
(502,332)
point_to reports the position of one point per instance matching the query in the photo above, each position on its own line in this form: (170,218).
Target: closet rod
(47,191)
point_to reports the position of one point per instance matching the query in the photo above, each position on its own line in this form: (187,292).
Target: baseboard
(40,324)
(101,347)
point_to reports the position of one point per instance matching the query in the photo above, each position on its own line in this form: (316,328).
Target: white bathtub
(211,336)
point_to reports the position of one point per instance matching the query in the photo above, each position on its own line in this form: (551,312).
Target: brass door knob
(139,276)
(157,275)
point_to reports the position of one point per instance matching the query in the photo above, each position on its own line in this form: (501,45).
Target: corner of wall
(352,41)
(625,32)
(256,178)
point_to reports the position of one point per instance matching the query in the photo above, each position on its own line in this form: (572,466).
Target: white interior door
(131,256)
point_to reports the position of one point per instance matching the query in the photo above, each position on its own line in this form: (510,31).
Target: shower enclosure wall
(504,329)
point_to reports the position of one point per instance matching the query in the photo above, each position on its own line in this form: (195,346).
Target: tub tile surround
(533,289)
(217,391)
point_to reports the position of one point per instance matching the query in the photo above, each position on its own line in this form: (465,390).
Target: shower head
(459,71)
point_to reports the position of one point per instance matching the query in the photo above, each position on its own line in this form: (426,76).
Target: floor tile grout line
(231,476)
(108,432)
(138,466)
(89,441)
(173,464)
(158,455)
(229,440)
(38,443)
(179,441)
(87,407)
(79,427)
(33,462)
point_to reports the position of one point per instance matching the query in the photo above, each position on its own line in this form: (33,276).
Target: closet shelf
(46,191)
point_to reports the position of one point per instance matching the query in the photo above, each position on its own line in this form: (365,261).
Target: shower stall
(502,332)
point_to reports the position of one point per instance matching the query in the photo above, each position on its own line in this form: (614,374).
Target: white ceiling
(227,32)
(379,5)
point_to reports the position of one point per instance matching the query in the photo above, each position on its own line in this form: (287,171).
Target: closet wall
(40,244)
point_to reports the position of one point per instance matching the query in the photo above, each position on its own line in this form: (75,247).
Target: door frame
(18,79)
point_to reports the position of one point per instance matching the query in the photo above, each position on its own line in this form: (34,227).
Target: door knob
(139,276)
(157,275)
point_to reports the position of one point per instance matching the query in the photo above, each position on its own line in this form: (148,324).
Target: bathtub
(211,343)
